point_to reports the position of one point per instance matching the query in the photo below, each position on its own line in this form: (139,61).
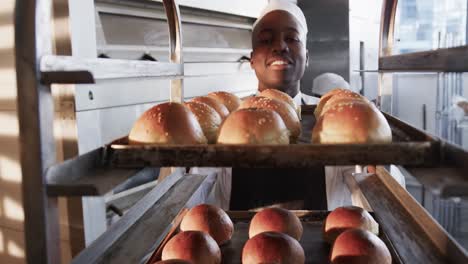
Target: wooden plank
(86,175)
(175,44)
(417,237)
(269,156)
(145,225)
(33,40)
(440,60)
(126,199)
(104,68)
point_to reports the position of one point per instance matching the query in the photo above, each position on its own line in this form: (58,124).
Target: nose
(279,45)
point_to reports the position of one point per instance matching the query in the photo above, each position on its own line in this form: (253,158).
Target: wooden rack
(92,174)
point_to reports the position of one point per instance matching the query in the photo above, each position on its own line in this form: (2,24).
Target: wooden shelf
(440,60)
(145,225)
(410,147)
(67,69)
(86,175)
(415,234)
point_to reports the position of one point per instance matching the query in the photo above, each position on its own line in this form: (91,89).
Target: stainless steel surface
(327,40)
(175,47)
(110,68)
(36,113)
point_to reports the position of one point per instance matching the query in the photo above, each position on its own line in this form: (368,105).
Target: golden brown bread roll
(345,218)
(276,220)
(167,123)
(208,118)
(211,220)
(353,121)
(215,104)
(282,96)
(195,246)
(253,126)
(324,99)
(229,100)
(272,247)
(342,97)
(357,246)
(287,113)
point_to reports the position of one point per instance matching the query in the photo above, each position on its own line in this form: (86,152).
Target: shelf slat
(144,225)
(270,156)
(86,175)
(67,69)
(440,60)
(417,237)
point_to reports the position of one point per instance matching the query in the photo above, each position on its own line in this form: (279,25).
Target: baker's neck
(291,90)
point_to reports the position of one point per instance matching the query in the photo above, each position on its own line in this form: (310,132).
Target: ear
(251,60)
(307,58)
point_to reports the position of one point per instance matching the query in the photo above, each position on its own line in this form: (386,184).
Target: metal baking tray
(410,147)
(315,248)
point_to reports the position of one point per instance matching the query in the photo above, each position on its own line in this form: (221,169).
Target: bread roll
(167,123)
(272,247)
(195,246)
(173,261)
(345,218)
(229,100)
(287,113)
(341,97)
(324,99)
(282,96)
(209,119)
(215,104)
(209,219)
(276,220)
(253,126)
(354,121)
(357,246)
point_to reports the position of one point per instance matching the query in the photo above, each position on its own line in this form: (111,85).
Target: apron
(295,188)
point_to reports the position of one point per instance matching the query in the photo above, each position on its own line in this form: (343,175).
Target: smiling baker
(279,55)
(279,58)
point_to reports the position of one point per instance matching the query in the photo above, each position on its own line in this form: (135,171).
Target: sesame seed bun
(351,121)
(359,246)
(276,220)
(229,100)
(345,218)
(211,220)
(195,246)
(167,123)
(287,113)
(215,104)
(254,126)
(282,96)
(208,118)
(272,247)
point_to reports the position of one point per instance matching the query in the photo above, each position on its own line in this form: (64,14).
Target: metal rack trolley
(419,240)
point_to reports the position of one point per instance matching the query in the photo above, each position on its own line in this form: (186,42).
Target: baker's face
(279,55)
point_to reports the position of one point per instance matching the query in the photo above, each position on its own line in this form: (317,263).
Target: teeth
(279,63)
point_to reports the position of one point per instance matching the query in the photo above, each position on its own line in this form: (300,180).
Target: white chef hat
(287,6)
(328,81)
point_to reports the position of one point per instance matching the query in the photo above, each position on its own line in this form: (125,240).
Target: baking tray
(316,250)
(410,147)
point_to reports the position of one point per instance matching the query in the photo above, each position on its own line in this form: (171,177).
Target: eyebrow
(293,29)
